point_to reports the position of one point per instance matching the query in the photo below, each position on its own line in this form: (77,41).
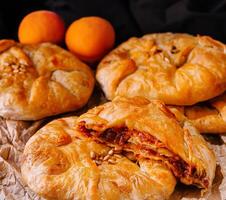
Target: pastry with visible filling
(62,163)
(130,148)
(148,129)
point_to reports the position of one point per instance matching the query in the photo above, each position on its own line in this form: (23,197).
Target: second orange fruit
(90,38)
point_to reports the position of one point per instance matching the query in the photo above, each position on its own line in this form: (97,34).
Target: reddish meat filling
(121,135)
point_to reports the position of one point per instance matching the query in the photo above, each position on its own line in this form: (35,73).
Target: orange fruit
(41,26)
(90,38)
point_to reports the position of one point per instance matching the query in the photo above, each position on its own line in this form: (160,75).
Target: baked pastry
(61,163)
(148,129)
(40,80)
(71,158)
(207,117)
(178,69)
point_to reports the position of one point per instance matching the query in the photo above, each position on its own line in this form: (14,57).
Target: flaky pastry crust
(178,69)
(207,117)
(41,80)
(124,149)
(61,164)
(150,130)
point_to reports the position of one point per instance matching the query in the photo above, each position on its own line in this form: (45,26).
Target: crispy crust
(180,138)
(59,160)
(41,80)
(58,164)
(208,117)
(178,69)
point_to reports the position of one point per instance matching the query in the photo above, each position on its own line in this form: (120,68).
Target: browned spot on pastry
(174,50)
(158,51)
(55,61)
(123,54)
(63,140)
(6,44)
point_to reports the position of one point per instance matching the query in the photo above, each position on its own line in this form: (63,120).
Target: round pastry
(207,117)
(40,80)
(60,163)
(178,69)
(124,149)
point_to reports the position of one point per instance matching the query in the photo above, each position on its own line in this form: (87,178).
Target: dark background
(129,17)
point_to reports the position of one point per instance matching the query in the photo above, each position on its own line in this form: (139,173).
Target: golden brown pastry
(207,117)
(178,69)
(124,149)
(62,163)
(41,80)
(148,129)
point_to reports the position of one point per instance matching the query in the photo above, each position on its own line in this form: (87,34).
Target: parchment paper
(14,135)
